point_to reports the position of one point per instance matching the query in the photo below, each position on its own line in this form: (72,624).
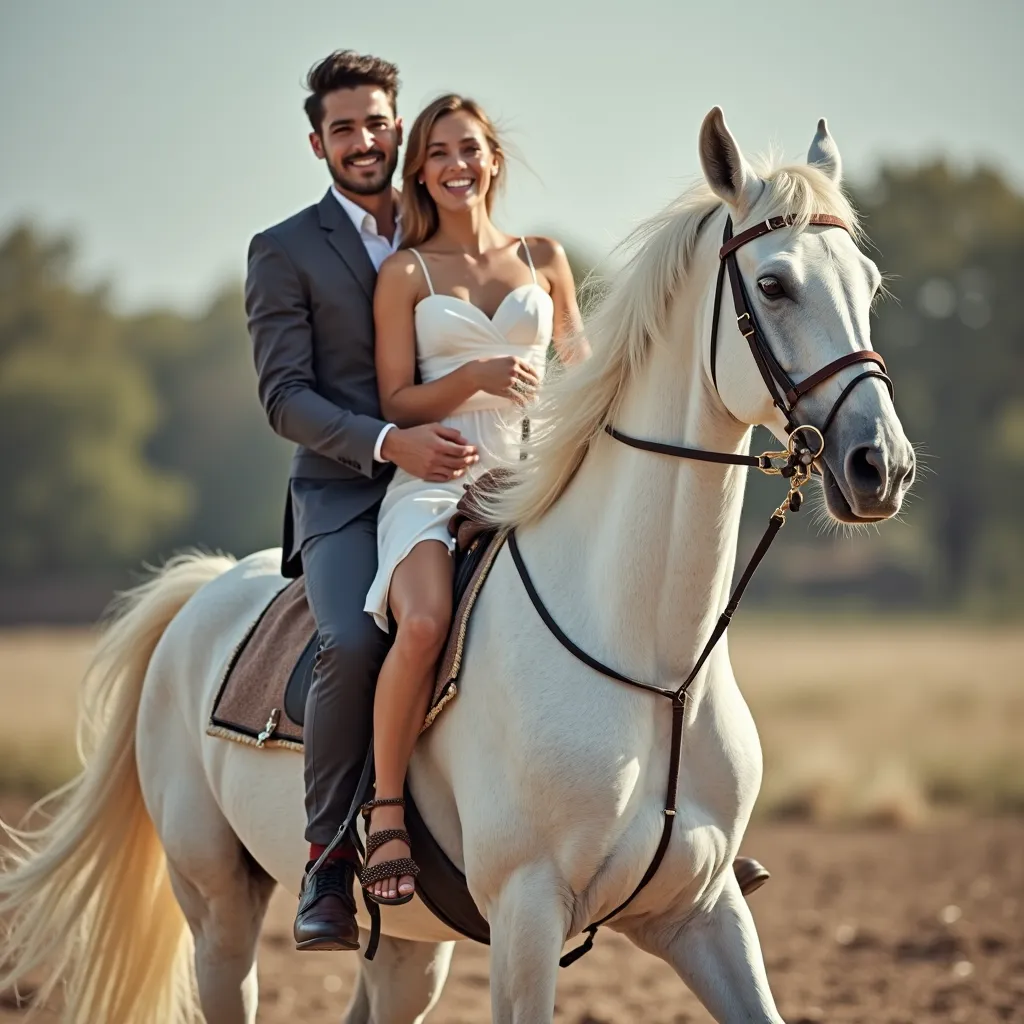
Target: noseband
(794,464)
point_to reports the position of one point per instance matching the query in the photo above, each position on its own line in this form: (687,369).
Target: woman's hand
(507,377)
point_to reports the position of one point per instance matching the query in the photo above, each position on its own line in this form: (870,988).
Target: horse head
(807,291)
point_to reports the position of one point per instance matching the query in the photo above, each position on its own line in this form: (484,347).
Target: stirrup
(395,868)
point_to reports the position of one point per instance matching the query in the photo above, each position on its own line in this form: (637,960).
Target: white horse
(544,780)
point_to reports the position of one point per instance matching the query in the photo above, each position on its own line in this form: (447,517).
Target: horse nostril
(866,469)
(903,477)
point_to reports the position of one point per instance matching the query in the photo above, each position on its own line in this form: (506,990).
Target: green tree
(954,339)
(214,432)
(75,413)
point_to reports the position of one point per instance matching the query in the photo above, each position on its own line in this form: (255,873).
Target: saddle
(262,697)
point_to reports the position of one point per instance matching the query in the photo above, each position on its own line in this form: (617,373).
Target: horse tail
(87,897)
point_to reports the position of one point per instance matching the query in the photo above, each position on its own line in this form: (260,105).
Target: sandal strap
(384,801)
(388,869)
(375,840)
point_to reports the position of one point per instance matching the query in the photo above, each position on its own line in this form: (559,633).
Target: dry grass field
(867,722)
(912,725)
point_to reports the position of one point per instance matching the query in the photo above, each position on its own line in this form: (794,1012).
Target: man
(308,297)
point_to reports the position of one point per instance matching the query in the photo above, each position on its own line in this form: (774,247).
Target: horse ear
(824,153)
(727,172)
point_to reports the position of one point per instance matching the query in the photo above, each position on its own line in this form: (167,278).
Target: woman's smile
(461,186)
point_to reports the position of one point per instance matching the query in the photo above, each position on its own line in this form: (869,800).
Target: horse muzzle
(868,482)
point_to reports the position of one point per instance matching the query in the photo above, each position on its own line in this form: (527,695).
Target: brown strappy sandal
(395,868)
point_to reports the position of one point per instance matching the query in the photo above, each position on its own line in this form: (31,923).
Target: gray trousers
(339,568)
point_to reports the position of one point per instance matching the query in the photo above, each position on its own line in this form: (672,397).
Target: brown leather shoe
(750,874)
(327,911)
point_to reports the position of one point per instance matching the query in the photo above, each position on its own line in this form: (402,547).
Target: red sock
(343,851)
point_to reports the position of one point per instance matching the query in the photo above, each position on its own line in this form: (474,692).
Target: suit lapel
(345,241)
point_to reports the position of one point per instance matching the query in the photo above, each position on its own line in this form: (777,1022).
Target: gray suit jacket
(309,301)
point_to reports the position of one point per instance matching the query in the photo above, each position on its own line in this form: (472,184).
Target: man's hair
(346,69)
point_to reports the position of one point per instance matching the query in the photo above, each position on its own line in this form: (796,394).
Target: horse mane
(576,404)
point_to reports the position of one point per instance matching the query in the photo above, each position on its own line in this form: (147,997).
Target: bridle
(785,394)
(796,465)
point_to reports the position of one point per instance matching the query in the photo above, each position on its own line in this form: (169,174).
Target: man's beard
(360,186)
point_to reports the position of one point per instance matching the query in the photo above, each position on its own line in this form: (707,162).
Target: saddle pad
(262,698)
(249,706)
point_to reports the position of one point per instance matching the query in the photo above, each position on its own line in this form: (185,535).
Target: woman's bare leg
(421,600)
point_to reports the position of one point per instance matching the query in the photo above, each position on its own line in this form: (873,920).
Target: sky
(162,136)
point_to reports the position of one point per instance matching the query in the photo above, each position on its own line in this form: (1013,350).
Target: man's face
(359,138)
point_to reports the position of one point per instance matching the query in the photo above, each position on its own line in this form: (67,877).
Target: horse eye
(770,288)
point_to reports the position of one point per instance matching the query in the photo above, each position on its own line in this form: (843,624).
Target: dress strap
(529,259)
(426,273)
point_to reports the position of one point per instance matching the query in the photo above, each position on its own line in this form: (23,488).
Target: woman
(474,310)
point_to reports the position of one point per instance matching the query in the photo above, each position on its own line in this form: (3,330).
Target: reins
(796,465)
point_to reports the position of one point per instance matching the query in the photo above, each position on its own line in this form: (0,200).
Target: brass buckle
(767,458)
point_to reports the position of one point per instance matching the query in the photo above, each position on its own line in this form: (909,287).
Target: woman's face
(459,163)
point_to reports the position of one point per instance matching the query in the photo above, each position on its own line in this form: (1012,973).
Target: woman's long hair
(419,211)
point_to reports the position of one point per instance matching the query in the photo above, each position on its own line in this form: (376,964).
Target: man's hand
(430,452)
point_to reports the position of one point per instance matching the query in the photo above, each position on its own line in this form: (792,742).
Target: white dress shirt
(378,247)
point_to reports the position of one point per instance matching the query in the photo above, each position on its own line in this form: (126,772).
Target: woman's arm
(402,400)
(570,345)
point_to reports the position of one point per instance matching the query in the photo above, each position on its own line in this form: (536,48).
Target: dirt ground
(857,926)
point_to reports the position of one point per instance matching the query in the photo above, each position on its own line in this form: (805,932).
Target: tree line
(123,438)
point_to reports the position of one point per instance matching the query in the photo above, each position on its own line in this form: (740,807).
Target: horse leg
(528,926)
(224,909)
(717,953)
(402,983)
(222,892)
(358,1010)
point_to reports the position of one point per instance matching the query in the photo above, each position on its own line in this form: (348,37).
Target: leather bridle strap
(677,697)
(556,631)
(794,394)
(715,317)
(785,393)
(679,452)
(732,243)
(883,377)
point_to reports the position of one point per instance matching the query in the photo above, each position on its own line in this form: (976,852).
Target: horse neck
(644,545)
